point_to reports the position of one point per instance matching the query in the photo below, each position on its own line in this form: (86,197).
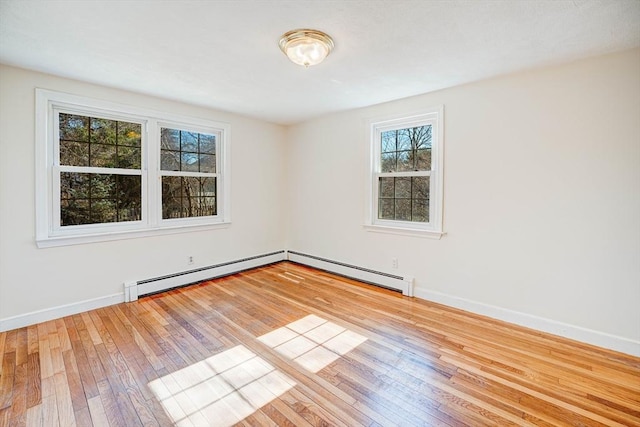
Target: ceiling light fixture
(306,47)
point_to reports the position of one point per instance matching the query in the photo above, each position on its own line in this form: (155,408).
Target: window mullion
(401,174)
(190,174)
(98,170)
(153,187)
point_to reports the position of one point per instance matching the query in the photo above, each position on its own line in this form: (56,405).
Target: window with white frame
(406,174)
(106,171)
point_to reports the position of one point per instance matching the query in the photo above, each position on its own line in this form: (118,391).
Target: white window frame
(48,230)
(433,228)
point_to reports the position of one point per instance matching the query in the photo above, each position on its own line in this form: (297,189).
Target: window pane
(207,143)
(190,186)
(405,139)
(170,160)
(423,160)
(208,206)
(99,198)
(388,141)
(207,163)
(386,187)
(420,187)
(421,137)
(74,212)
(420,212)
(209,187)
(404,198)
(128,195)
(103,131)
(193,151)
(403,209)
(74,128)
(184,197)
(129,134)
(388,163)
(103,211)
(74,185)
(94,142)
(406,149)
(170,139)
(171,197)
(386,209)
(74,153)
(129,157)
(103,156)
(189,162)
(102,186)
(405,161)
(189,141)
(403,188)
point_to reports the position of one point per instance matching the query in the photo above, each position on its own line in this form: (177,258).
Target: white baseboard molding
(132,290)
(135,289)
(589,336)
(399,283)
(46,314)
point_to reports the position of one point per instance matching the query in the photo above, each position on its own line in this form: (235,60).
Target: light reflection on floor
(229,386)
(220,390)
(312,342)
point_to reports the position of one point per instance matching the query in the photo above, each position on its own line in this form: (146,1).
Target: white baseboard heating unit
(135,289)
(378,278)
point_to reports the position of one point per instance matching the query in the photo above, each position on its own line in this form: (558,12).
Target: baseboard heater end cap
(408,290)
(130,291)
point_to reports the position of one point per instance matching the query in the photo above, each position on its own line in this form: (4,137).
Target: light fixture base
(306,47)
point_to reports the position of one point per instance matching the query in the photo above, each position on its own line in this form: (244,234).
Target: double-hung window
(406,174)
(189,172)
(105,171)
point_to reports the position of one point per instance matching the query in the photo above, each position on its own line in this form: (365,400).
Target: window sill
(402,231)
(49,242)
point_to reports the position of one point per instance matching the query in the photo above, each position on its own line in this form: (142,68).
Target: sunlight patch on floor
(312,342)
(220,390)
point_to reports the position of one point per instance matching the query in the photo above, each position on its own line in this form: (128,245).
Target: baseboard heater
(135,289)
(379,278)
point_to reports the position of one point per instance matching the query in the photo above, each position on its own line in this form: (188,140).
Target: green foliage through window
(94,198)
(95,142)
(91,198)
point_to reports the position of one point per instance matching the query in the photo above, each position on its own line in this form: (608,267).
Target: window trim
(434,228)
(151,224)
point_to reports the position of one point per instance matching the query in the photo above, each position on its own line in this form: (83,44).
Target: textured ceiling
(224,54)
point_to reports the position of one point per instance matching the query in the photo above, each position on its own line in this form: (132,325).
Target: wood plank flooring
(287,345)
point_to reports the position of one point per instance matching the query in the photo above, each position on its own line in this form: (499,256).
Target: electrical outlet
(394,262)
(190,260)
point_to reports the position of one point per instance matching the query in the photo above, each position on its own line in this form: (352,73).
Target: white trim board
(52,313)
(565,330)
(149,286)
(577,333)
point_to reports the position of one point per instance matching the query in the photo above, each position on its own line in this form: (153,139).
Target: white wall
(542,196)
(542,200)
(33,279)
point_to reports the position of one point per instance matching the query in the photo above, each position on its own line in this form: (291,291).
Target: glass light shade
(306,47)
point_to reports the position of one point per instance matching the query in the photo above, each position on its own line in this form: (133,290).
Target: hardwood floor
(287,345)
